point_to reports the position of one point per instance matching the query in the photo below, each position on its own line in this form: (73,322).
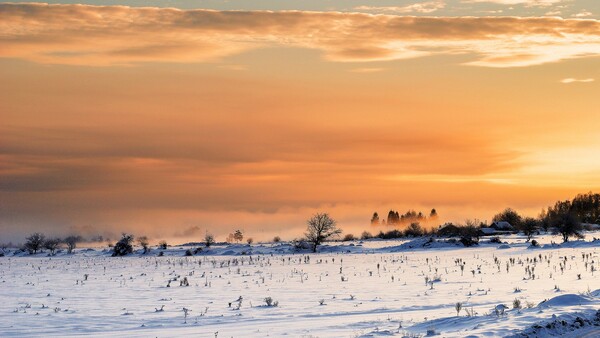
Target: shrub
(414,230)
(143,242)
(209,240)
(535,243)
(349,238)
(162,245)
(250,240)
(52,244)
(300,244)
(276,239)
(468,241)
(495,239)
(366,235)
(189,252)
(458,307)
(270,302)
(449,230)
(392,234)
(123,246)
(516,304)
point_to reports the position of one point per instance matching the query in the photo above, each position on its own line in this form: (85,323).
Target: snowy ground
(371,289)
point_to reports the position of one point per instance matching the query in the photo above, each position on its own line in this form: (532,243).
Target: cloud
(118,35)
(367,70)
(572,80)
(527,3)
(583,14)
(420,7)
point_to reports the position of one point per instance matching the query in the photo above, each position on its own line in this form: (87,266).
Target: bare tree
(320,227)
(238,235)
(529,226)
(143,242)
(71,242)
(209,240)
(567,225)
(34,242)
(52,244)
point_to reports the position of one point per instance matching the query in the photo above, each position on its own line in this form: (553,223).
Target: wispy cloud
(583,14)
(117,35)
(420,7)
(572,80)
(527,3)
(367,70)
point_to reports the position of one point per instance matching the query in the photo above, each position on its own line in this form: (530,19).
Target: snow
(359,289)
(566,300)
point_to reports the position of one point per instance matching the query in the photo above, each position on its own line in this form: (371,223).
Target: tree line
(564,218)
(411,216)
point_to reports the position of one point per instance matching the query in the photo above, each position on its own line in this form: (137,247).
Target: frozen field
(373,289)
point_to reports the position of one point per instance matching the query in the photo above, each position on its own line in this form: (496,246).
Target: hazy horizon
(173,120)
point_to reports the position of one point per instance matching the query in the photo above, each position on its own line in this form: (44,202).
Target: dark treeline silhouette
(566,218)
(411,216)
(468,233)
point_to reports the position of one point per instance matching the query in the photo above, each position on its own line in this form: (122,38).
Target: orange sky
(170,123)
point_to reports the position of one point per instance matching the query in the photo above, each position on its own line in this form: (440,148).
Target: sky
(172,119)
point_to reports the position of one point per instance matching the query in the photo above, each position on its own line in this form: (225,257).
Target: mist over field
(356,168)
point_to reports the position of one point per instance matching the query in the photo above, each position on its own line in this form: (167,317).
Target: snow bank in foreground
(566,300)
(580,324)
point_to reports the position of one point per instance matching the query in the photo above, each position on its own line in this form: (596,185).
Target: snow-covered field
(371,289)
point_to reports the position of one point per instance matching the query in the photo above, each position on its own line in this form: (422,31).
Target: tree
(71,242)
(529,226)
(375,219)
(143,242)
(393,217)
(52,244)
(209,240)
(123,246)
(508,215)
(433,215)
(449,230)
(545,222)
(567,225)
(413,230)
(238,235)
(349,238)
(162,245)
(34,242)
(320,227)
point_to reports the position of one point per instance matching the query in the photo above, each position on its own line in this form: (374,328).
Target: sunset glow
(214,116)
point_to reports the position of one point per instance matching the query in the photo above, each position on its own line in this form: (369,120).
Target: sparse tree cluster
(564,218)
(34,242)
(394,218)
